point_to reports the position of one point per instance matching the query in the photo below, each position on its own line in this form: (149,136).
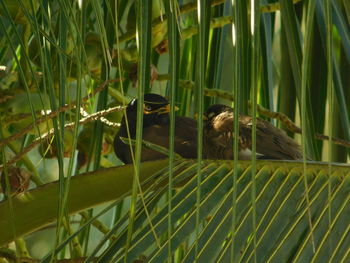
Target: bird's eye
(147,107)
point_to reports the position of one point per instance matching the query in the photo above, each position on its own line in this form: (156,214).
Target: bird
(218,136)
(156,130)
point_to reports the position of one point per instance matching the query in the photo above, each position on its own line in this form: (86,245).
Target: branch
(290,125)
(53,114)
(88,118)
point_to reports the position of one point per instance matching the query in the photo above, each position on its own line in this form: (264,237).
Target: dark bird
(156,125)
(271,142)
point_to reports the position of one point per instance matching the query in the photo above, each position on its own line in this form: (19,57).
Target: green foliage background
(289,56)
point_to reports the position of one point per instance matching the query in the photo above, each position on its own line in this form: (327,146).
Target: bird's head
(155,109)
(215,110)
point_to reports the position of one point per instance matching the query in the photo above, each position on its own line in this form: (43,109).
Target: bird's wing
(185,140)
(186,128)
(270,141)
(186,137)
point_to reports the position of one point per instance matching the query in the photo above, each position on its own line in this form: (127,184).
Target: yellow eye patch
(161,110)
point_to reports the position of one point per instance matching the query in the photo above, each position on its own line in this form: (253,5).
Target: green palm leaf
(283,231)
(65,64)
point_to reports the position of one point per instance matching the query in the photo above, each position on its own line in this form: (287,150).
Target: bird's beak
(163,110)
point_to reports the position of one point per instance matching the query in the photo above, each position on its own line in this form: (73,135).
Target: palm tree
(68,69)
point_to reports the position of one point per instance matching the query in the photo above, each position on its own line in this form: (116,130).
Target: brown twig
(91,117)
(294,128)
(53,114)
(290,125)
(5,98)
